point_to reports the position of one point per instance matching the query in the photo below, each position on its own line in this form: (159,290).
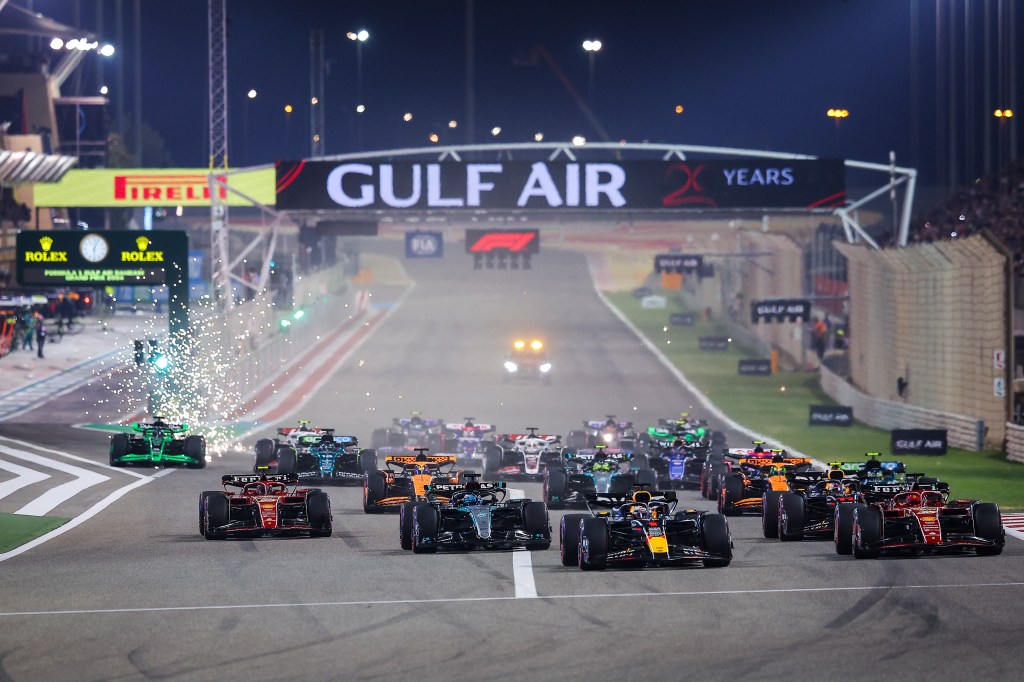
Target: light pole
(592,47)
(1004,117)
(249,97)
(837,115)
(359,37)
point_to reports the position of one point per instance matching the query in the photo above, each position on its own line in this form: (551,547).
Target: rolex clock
(94,248)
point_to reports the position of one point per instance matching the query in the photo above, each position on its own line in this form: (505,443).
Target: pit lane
(136,593)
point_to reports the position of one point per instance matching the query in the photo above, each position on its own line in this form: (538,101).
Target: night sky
(749,74)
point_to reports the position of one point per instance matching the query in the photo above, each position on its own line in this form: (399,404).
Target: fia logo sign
(424,245)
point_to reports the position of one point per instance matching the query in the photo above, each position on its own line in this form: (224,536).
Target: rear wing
(601,424)
(847,467)
(240,480)
(481,428)
(590,454)
(292,430)
(613,500)
(411,460)
(406,421)
(517,436)
(456,487)
(174,428)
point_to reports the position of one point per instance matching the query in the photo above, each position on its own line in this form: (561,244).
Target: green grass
(16,530)
(777,406)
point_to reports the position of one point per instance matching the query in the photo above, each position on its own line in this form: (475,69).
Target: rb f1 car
(466,441)
(472,515)
(643,530)
(406,479)
(607,432)
(415,431)
(156,443)
(263,505)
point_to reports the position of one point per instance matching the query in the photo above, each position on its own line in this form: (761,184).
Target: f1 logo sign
(511,241)
(424,245)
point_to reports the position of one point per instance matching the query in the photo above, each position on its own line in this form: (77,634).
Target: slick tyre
(715,539)
(265,449)
(202,508)
(770,514)
(535,522)
(843,527)
(555,488)
(424,529)
(988,525)
(366,460)
(287,461)
(318,511)
(576,439)
(593,550)
(195,447)
(569,538)
(716,471)
(405,514)
(791,517)
(119,445)
(218,515)
(647,477)
(375,488)
(493,455)
(379,439)
(867,531)
(731,493)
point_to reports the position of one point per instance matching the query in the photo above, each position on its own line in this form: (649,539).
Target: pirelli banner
(561,186)
(153,187)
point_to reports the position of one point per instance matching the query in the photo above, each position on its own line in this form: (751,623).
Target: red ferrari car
(262,505)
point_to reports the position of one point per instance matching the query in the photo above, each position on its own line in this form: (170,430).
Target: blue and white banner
(424,245)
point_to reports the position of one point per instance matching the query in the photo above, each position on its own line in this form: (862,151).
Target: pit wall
(934,314)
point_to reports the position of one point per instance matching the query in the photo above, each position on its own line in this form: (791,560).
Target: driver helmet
(834,487)
(255,489)
(677,443)
(777,471)
(639,511)
(602,465)
(470,499)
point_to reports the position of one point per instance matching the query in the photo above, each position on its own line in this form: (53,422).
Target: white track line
(24,477)
(84,516)
(57,495)
(68,455)
(465,600)
(522,562)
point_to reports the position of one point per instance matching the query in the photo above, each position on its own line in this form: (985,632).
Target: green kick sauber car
(158,443)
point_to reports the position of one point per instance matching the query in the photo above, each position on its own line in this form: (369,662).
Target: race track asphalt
(136,593)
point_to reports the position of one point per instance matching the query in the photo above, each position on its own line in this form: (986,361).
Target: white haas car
(517,456)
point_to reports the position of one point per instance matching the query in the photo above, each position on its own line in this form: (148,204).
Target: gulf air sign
(560,185)
(136,187)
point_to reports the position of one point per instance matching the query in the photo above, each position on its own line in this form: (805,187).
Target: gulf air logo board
(155,187)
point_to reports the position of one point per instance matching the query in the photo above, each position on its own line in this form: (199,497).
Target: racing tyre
(791,517)
(576,439)
(647,477)
(118,448)
(731,493)
(593,549)
(770,514)
(318,511)
(843,533)
(396,439)
(493,455)
(217,515)
(405,514)
(535,522)
(717,469)
(715,538)
(569,538)
(640,461)
(265,449)
(195,447)
(379,439)
(424,529)
(202,508)
(988,525)
(718,439)
(366,460)
(621,484)
(375,488)
(867,530)
(287,461)
(555,484)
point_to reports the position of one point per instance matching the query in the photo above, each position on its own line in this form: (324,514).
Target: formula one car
(517,456)
(717,464)
(598,470)
(921,522)
(527,361)
(680,465)
(158,443)
(742,489)
(879,481)
(608,432)
(643,530)
(315,454)
(406,479)
(263,505)
(472,515)
(466,441)
(808,510)
(415,431)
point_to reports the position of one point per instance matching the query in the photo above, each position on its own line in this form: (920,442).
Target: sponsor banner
(713,343)
(830,415)
(561,185)
(755,367)
(653,302)
(424,245)
(125,257)
(110,187)
(780,310)
(346,228)
(918,441)
(511,241)
(682,319)
(673,262)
